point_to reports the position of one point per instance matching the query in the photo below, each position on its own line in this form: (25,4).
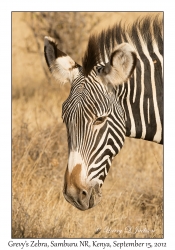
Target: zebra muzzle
(85,198)
(81,194)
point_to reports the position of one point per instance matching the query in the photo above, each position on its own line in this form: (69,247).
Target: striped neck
(140,114)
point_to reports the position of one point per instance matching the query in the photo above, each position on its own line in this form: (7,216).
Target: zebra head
(93,116)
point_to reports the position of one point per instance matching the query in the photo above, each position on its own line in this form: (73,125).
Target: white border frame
(5,102)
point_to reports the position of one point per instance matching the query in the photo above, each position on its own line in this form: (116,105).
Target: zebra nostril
(83,194)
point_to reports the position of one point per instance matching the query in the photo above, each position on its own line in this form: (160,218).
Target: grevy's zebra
(117,92)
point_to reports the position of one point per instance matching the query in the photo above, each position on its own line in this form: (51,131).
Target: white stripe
(106,57)
(133,128)
(156,51)
(141,100)
(135,86)
(123,104)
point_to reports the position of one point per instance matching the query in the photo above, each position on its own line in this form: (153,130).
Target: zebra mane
(100,46)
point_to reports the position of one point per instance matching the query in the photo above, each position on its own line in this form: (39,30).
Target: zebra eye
(99,69)
(99,120)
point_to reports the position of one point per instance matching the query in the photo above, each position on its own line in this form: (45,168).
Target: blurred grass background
(131,206)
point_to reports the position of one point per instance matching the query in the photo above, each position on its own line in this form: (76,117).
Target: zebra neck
(141,118)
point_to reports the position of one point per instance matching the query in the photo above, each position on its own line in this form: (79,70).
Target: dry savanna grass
(131,206)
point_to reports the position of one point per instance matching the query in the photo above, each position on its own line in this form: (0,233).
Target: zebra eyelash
(99,120)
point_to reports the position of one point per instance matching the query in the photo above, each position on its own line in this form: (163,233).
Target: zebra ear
(121,65)
(63,67)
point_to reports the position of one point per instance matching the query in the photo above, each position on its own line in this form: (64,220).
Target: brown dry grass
(133,191)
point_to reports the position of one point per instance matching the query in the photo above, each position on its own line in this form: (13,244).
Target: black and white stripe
(102,110)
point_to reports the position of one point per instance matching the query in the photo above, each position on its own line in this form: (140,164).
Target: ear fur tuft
(63,67)
(121,65)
